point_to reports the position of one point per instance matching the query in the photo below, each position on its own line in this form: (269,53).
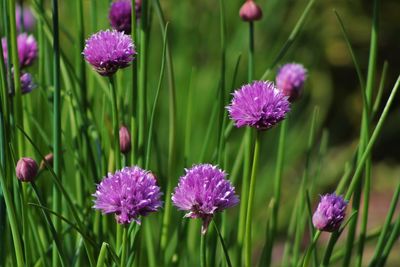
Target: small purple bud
(27,84)
(48,159)
(290,80)
(330,213)
(124,140)
(250,11)
(26,169)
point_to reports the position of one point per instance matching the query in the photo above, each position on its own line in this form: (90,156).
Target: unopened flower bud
(330,213)
(250,11)
(48,159)
(124,140)
(26,169)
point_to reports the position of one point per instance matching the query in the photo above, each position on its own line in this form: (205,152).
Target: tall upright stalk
(249,214)
(247,154)
(12,220)
(171,132)
(368,111)
(115,116)
(142,92)
(18,109)
(134,86)
(56,127)
(277,191)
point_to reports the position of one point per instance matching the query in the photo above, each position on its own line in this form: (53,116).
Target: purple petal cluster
(120,14)
(25,16)
(203,191)
(259,105)
(128,193)
(290,79)
(107,51)
(27,84)
(27,49)
(330,213)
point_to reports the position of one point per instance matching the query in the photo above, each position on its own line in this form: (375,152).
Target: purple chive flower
(107,51)
(26,16)
(330,213)
(26,169)
(290,79)
(203,191)
(27,84)
(120,14)
(129,193)
(259,105)
(27,49)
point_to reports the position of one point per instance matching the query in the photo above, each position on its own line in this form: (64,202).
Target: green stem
(329,249)
(151,255)
(18,108)
(390,242)
(291,38)
(381,241)
(13,221)
(153,110)
(57,206)
(102,255)
(203,259)
(251,52)
(142,92)
(249,215)
(134,87)
(225,249)
(171,132)
(114,107)
(57,242)
(125,245)
(277,190)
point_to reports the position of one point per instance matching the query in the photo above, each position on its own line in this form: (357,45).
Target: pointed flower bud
(26,169)
(124,140)
(250,11)
(47,159)
(330,213)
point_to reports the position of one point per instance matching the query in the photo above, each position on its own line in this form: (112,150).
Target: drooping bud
(48,159)
(290,80)
(250,11)
(330,213)
(124,140)
(26,169)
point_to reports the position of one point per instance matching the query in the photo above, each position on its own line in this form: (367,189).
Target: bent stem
(250,205)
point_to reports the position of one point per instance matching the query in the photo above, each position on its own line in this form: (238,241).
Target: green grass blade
(383,235)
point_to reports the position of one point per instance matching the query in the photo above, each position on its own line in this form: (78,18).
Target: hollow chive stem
(115,123)
(57,206)
(125,245)
(203,259)
(250,205)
